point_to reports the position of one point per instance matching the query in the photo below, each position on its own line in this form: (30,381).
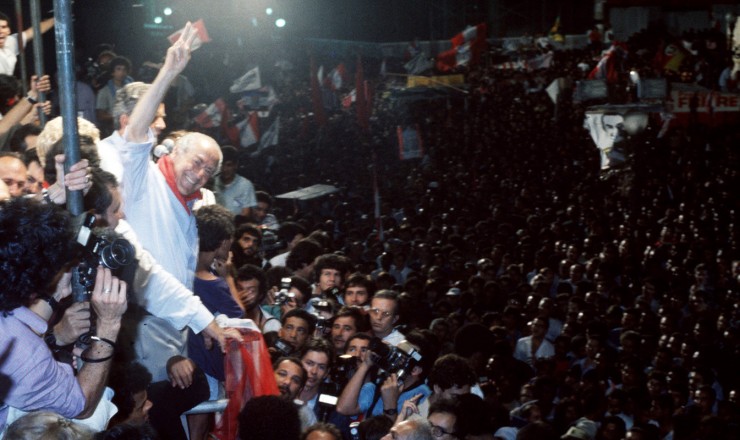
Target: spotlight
(157,20)
(280,22)
(268,11)
(167,11)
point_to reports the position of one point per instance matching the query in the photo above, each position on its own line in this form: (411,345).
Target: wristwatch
(51,341)
(390,412)
(54,304)
(31,99)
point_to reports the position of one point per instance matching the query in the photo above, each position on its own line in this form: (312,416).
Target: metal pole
(38,53)
(19,23)
(64,34)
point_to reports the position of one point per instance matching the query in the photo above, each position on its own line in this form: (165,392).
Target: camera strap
(376,397)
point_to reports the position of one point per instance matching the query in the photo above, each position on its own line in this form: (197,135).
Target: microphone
(164,148)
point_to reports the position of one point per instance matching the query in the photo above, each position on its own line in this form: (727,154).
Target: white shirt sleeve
(160,293)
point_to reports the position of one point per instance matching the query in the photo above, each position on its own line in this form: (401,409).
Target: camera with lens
(400,360)
(327,400)
(278,347)
(99,247)
(323,325)
(283,347)
(270,242)
(284,295)
(344,368)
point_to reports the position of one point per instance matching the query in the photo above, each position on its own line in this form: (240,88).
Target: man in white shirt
(233,191)
(384,315)
(9,43)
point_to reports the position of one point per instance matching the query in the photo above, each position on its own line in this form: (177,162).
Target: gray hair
(423,429)
(53,131)
(126,99)
(46,426)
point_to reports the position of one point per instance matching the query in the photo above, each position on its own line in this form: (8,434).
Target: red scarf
(168,171)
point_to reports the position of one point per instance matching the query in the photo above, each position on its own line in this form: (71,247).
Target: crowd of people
(502,286)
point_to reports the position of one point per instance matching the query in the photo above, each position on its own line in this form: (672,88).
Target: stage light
(157,20)
(268,11)
(167,11)
(280,22)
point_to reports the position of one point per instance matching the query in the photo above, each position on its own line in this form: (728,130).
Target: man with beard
(246,247)
(291,377)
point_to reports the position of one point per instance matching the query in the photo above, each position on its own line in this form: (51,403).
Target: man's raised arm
(178,56)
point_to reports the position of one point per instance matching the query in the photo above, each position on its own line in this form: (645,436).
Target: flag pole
(64,34)
(38,53)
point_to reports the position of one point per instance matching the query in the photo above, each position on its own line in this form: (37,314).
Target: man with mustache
(290,377)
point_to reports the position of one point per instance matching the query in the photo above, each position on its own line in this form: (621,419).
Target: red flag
(200,38)
(212,115)
(249,130)
(363,116)
(348,99)
(318,106)
(466,49)
(248,374)
(337,77)
(607,67)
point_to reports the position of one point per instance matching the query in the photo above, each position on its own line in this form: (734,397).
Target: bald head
(195,159)
(14,173)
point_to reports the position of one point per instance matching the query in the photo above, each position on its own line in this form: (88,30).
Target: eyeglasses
(198,164)
(383,313)
(438,432)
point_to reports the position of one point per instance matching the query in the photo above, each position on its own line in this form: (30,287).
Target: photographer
(317,358)
(285,296)
(297,326)
(375,398)
(329,271)
(347,323)
(358,290)
(35,380)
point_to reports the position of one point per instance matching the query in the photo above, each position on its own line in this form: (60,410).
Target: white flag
(270,137)
(553,90)
(249,81)
(248,131)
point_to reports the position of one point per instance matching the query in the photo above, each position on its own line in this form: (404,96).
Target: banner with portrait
(611,128)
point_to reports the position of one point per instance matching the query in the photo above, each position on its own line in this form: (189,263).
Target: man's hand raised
(178,55)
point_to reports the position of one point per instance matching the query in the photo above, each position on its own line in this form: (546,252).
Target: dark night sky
(128,24)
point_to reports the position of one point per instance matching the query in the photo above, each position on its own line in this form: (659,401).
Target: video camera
(400,360)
